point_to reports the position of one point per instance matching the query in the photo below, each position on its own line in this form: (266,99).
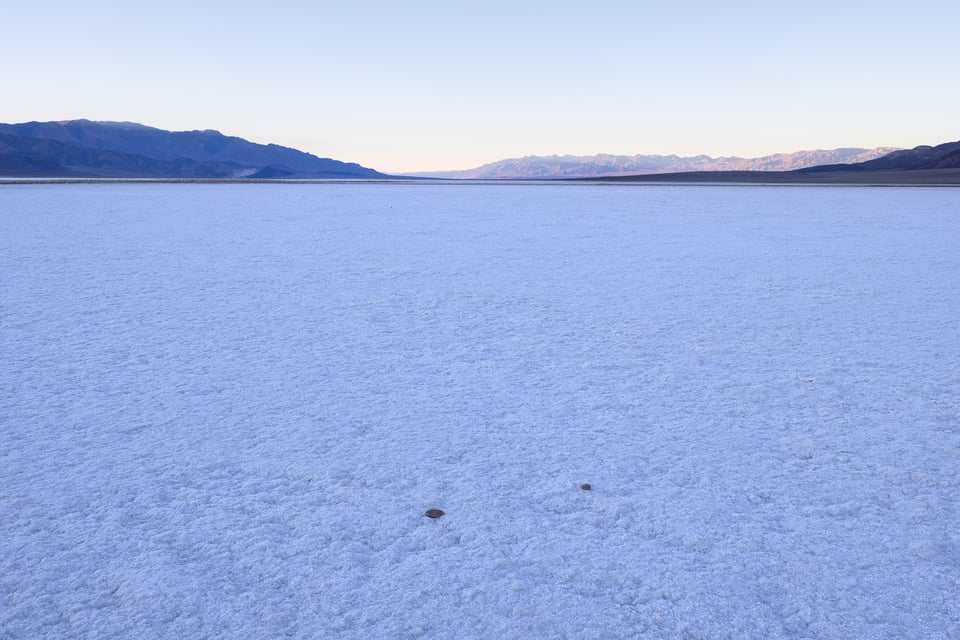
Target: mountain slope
(923,165)
(34,156)
(942,156)
(112,149)
(549,167)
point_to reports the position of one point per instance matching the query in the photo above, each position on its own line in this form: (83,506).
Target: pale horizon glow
(436,86)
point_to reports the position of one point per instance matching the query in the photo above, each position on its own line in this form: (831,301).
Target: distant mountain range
(923,165)
(551,167)
(943,156)
(86,149)
(82,148)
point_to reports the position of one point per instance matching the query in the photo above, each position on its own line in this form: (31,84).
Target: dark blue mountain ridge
(924,157)
(21,156)
(128,149)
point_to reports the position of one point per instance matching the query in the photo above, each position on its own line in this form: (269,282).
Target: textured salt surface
(226,409)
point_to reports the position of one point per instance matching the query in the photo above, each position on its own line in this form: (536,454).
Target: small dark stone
(586,486)
(433,513)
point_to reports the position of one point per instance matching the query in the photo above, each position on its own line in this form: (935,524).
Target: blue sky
(438,85)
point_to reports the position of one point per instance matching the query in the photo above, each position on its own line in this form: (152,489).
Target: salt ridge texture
(225,410)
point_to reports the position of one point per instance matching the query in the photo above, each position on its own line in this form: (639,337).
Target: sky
(428,85)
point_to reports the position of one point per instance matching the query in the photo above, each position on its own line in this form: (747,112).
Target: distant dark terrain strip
(891,177)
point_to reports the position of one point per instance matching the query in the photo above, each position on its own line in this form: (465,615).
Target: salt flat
(224,410)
